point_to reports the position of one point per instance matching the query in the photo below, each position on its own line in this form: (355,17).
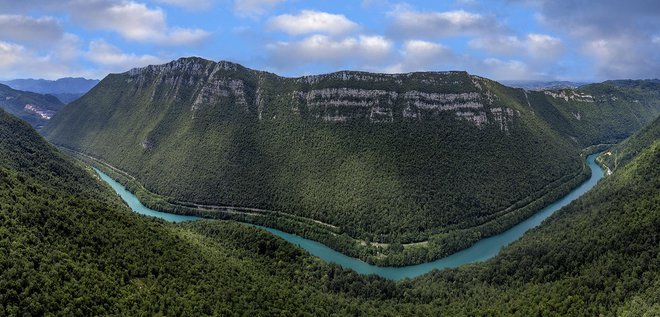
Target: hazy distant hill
(32,107)
(542,85)
(66,89)
(443,158)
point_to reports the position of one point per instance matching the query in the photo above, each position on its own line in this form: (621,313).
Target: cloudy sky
(501,39)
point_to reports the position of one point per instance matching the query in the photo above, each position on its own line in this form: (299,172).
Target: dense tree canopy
(68,246)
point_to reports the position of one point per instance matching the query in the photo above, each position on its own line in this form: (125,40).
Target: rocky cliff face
(337,97)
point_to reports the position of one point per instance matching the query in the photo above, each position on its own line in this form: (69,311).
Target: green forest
(625,151)
(198,132)
(70,247)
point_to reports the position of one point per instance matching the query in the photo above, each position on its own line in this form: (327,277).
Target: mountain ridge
(386,158)
(65,89)
(32,107)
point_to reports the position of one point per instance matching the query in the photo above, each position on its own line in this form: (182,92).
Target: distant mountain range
(65,89)
(542,85)
(32,107)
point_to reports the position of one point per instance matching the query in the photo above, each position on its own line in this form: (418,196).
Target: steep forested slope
(446,157)
(386,158)
(598,256)
(607,112)
(69,247)
(625,151)
(29,106)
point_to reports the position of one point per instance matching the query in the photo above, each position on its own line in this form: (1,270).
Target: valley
(480,251)
(65,215)
(377,159)
(463,158)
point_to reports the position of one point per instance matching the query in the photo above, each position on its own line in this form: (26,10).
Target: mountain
(394,169)
(625,151)
(68,246)
(32,107)
(606,112)
(543,85)
(597,256)
(65,89)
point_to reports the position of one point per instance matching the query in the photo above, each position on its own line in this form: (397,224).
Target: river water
(480,251)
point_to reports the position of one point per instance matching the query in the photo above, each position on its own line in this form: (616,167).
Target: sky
(577,40)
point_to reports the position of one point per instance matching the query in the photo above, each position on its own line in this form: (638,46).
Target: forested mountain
(29,106)
(69,247)
(625,151)
(597,256)
(347,158)
(65,89)
(607,112)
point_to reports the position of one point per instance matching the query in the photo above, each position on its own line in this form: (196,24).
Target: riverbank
(440,244)
(479,251)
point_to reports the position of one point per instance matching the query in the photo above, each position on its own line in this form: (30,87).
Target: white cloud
(32,31)
(424,50)
(181,36)
(10,54)
(310,21)
(114,60)
(535,46)
(506,70)
(254,8)
(409,23)
(615,36)
(64,59)
(623,57)
(135,21)
(323,49)
(18,61)
(418,55)
(507,45)
(543,46)
(189,4)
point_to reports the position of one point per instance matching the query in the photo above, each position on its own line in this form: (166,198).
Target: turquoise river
(480,251)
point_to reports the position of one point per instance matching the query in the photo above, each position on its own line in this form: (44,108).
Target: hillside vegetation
(621,153)
(68,246)
(444,158)
(607,112)
(29,106)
